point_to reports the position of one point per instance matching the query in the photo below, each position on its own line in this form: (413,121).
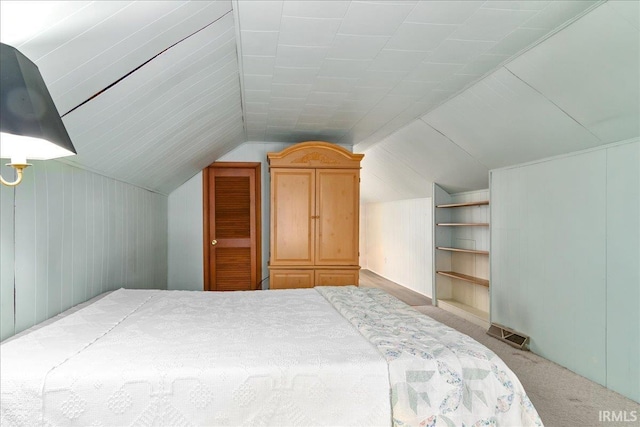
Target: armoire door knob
(214,242)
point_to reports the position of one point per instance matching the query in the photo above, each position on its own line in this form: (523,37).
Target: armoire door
(293,216)
(337,211)
(232,226)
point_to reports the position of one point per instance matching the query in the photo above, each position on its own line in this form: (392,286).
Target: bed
(322,356)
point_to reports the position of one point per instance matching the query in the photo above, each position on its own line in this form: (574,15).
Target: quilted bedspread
(325,356)
(438,376)
(178,358)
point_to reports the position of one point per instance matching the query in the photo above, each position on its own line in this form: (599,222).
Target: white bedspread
(144,357)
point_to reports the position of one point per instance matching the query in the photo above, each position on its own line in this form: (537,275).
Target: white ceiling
(153,91)
(576,90)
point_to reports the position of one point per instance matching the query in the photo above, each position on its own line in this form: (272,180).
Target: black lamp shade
(29,120)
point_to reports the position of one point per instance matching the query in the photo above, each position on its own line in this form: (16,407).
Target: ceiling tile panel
(307,31)
(290,90)
(343,68)
(263,43)
(439,12)
(294,75)
(433,72)
(357,106)
(300,56)
(261,65)
(334,9)
(516,5)
(349,47)
(492,24)
(260,15)
(256,118)
(285,122)
(327,84)
(256,107)
(413,89)
(369,95)
(347,116)
(283,102)
(310,119)
(376,78)
(459,51)
(256,136)
(391,107)
(374,18)
(397,60)
(322,111)
(331,99)
(253,82)
(421,37)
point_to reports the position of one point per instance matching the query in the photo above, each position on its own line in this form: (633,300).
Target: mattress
(322,356)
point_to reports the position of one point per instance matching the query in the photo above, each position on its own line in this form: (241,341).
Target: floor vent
(511,337)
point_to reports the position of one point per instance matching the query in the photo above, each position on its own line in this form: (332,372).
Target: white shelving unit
(461,254)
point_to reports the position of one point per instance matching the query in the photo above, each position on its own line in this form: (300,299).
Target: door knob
(214,242)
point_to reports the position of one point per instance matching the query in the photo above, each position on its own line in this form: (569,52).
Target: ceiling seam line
(394,156)
(553,103)
(142,65)
(235,7)
(453,142)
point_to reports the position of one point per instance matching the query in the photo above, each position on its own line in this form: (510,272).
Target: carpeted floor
(562,397)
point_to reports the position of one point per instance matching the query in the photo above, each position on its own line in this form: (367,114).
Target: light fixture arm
(18,167)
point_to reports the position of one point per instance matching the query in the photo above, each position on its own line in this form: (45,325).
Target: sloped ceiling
(576,90)
(149,91)
(152,92)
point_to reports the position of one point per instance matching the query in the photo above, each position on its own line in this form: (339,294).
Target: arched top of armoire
(315,154)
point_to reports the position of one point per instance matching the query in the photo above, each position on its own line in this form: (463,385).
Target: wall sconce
(30,126)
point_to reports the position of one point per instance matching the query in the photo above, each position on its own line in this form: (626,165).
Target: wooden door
(293,215)
(337,212)
(232,249)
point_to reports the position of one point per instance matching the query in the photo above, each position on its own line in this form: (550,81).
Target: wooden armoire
(315,205)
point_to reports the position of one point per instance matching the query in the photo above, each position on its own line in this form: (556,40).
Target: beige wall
(397,242)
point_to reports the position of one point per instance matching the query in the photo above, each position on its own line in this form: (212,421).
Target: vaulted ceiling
(152,92)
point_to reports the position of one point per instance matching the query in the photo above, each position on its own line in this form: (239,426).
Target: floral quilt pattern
(438,376)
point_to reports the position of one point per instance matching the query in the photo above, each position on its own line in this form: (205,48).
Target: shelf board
(473,314)
(460,205)
(464,277)
(468,251)
(463,224)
